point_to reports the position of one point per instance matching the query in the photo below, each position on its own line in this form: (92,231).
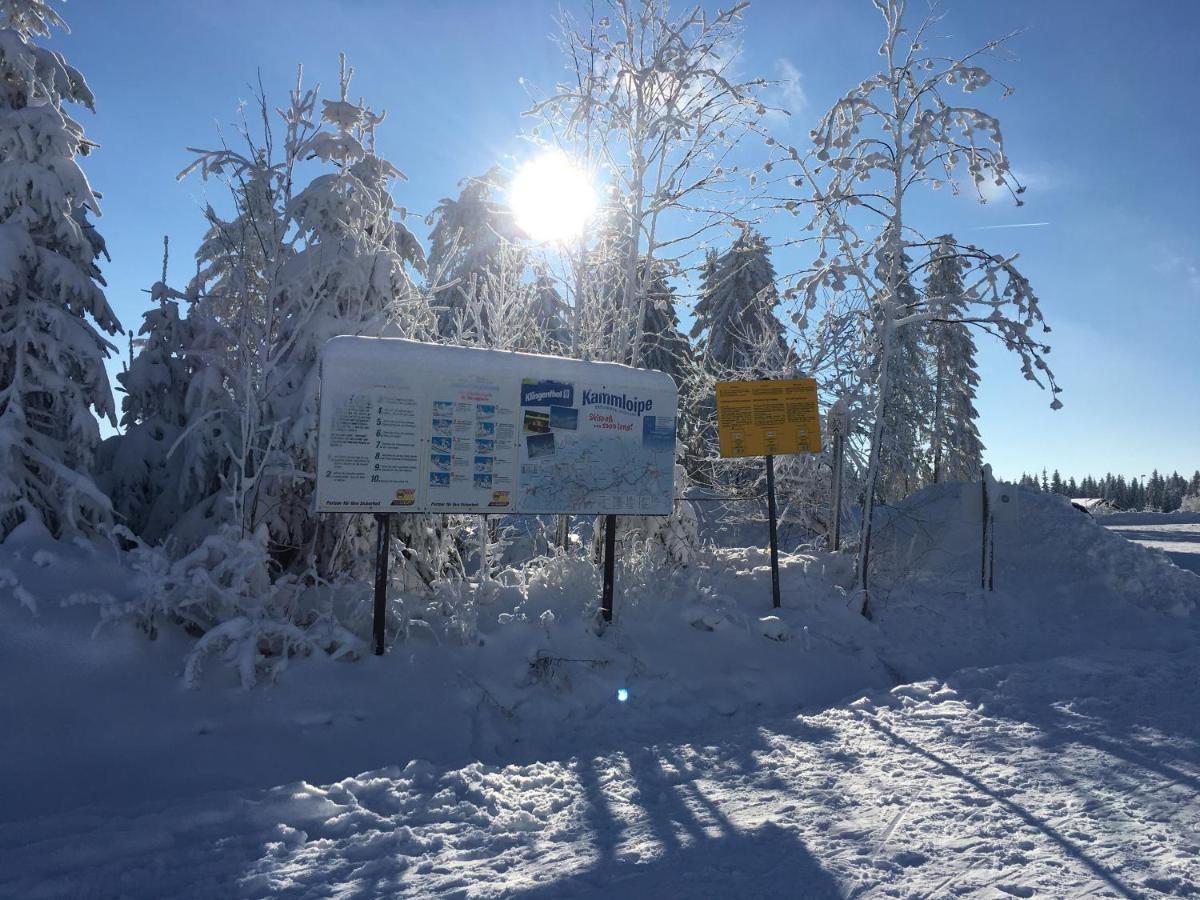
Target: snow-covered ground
(1072,777)
(1175,534)
(1039,740)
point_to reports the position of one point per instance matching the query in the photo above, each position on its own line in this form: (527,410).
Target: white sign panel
(412,427)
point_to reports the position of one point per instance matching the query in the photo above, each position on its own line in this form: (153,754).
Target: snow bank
(1043,547)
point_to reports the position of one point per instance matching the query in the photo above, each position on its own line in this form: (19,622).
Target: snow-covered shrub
(223,592)
(660,542)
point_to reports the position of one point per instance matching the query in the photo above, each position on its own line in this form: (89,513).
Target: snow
(1175,534)
(1038,740)
(1062,778)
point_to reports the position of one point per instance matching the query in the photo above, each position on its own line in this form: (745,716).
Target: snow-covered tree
(664,349)
(956,451)
(551,315)
(347,274)
(137,467)
(897,132)
(908,402)
(652,101)
(53,312)
(736,311)
(240,291)
(468,235)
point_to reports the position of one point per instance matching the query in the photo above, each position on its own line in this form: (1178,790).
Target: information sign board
(412,427)
(768,418)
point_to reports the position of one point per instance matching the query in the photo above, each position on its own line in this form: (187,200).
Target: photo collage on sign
(485,430)
(469,451)
(547,407)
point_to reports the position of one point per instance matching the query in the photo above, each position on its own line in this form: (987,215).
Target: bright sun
(551,198)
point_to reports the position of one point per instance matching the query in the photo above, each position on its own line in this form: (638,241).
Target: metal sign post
(839,456)
(766,418)
(383,535)
(774,540)
(484,572)
(610,559)
(837,421)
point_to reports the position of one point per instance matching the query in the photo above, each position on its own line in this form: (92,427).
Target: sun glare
(552,198)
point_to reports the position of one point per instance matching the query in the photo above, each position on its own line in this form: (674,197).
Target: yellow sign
(767,418)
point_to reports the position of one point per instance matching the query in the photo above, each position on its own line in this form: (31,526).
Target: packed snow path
(1078,776)
(1180,540)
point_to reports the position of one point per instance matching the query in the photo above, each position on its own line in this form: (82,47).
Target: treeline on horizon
(1158,493)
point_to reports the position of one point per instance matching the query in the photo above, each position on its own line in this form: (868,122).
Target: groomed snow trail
(1078,776)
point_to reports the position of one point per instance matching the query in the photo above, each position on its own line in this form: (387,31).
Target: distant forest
(1162,493)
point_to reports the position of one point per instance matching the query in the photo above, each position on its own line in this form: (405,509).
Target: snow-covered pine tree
(550,315)
(908,401)
(52,373)
(664,347)
(347,275)
(467,236)
(1191,497)
(735,315)
(956,450)
(135,467)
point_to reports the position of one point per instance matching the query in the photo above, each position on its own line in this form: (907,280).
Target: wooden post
(383,534)
(774,541)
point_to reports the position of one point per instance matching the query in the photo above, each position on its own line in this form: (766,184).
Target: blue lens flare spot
(622,695)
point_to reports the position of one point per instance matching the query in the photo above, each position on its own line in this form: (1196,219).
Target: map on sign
(411,427)
(594,446)
(768,418)
(606,474)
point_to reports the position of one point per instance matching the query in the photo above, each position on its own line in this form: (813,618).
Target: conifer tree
(735,316)
(135,467)
(53,312)
(348,269)
(467,236)
(903,457)
(550,316)
(664,348)
(956,450)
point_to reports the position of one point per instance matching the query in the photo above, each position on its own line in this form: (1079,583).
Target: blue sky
(1102,127)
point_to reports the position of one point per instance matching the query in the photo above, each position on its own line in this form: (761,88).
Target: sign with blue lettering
(541,393)
(413,427)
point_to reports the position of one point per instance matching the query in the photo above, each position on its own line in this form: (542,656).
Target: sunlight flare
(552,198)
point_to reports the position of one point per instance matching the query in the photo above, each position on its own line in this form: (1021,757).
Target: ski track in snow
(1073,777)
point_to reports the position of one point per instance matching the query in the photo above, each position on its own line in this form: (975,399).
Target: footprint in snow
(1016,890)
